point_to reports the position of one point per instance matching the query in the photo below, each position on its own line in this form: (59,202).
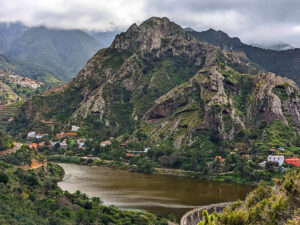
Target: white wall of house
(276,158)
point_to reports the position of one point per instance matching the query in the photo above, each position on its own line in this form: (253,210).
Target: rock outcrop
(158,75)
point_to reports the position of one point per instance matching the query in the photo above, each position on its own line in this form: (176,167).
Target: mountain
(62,52)
(9,32)
(160,82)
(285,63)
(29,70)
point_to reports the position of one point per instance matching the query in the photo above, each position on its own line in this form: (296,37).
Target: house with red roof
(105,143)
(293,161)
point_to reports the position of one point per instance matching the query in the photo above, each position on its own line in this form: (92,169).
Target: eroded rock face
(134,80)
(215,107)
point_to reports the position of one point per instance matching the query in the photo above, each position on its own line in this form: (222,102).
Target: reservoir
(158,194)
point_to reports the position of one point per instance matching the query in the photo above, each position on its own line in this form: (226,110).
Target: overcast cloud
(254,21)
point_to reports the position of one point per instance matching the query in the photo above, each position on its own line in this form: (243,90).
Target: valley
(145,127)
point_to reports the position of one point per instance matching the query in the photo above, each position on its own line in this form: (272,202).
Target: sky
(253,21)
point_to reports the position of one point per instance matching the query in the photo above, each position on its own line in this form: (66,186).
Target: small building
(10,119)
(262,164)
(64,145)
(39,136)
(75,128)
(248,157)
(80,143)
(293,161)
(31,134)
(272,150)
(54,143)
(105,143)
(220,158)
(129,155)
(276,158)
(70,134)
(34,146)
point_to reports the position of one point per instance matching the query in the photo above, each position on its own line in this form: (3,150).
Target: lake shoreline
(158,171)
(155,193)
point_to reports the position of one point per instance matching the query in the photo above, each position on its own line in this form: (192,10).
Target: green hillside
(29,70)
(63,52)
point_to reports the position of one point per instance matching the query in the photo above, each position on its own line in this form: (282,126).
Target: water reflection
(156,193)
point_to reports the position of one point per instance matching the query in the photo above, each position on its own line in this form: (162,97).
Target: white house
(39,136)
(31,134)
(64,145)
(80,143)
(262,164)
(74,128)
(276,158)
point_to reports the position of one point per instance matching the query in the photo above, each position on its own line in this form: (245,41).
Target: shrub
(3,178)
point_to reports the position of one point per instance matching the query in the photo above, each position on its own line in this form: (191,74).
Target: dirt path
(12,150)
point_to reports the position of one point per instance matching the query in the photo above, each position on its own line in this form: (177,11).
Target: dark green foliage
(265,205)
(33,197)
(23,156)
(6,142)
(280,91)
(63,52)
(3,178)
(145,166)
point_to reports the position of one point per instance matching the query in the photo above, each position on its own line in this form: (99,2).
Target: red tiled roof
(294,161)
(105,143)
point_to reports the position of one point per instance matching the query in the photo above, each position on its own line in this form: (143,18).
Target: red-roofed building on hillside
(294,161)
(34,146)
(70,134)
(220,158)
(105,143)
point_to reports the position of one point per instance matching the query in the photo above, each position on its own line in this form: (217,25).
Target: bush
(3,178)
(145,166)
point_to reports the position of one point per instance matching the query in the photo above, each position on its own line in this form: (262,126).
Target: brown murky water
(159,194)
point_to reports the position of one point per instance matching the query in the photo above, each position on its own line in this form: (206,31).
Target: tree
(3,178)
(145,166)
(207,219)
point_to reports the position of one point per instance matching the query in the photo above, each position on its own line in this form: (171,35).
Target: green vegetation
(6,142)
(30,70)
(277,134)
(62,52)
(33,197)
(145,166)
(280,91)
(265,205)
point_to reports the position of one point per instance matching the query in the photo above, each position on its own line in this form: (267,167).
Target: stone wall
(194,216)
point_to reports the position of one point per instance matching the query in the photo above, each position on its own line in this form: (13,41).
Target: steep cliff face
(157,74)
(219,99)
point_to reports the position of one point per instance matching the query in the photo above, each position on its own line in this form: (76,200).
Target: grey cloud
(254,21)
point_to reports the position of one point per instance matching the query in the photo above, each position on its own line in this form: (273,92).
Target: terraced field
(8,111)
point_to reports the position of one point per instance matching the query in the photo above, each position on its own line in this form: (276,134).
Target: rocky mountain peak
(151,34)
